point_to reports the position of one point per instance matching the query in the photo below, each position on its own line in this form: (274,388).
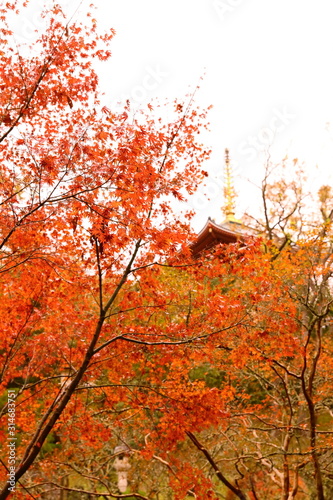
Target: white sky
(269,76)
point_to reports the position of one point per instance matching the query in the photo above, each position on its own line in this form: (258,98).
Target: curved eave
(211,235)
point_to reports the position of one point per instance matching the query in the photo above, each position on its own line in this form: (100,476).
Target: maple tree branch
(294,490)
(195,264)
(315,357)
(100,277)
(97,494)
(255,495)
(7,200)
(16,339)
(217,471)
(307,391)
(19,482)
(60,403)
(135,308)
(25,106)
(9,267)
(124,277)
(130,387)
(43,72)
(287,438)
(176,132)
(292,374)
(189,310)
(87,476)
(165,342)
(285,386)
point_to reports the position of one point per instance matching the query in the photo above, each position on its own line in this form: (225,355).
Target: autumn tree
(214,372)
(276,441)
(86,220)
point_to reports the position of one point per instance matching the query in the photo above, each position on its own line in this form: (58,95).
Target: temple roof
(229,231)
(213,233)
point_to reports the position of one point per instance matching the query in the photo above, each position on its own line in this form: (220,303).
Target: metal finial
(229,191)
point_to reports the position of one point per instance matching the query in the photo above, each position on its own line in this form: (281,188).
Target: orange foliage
(111,332)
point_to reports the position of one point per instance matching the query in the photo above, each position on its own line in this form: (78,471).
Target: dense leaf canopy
(213,373)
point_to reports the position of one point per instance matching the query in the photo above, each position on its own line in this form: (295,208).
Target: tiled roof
(213,233)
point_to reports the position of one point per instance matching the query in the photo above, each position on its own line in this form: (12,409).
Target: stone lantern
(121,465)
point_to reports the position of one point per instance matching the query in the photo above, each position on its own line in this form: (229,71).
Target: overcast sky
(268,74)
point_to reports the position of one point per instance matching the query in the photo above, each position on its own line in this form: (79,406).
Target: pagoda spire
(229,191)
